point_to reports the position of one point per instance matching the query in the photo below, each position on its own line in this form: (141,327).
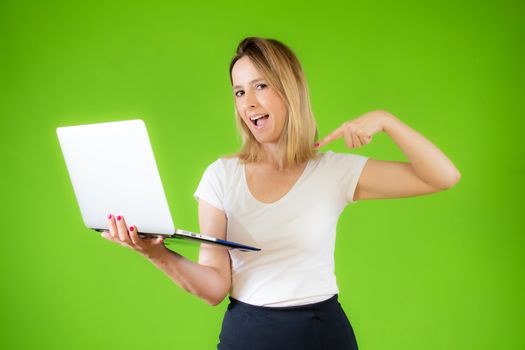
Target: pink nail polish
(316,145)
(132,228)
(110,216)
(119,217)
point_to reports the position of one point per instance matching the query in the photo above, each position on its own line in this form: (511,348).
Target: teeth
(257,116)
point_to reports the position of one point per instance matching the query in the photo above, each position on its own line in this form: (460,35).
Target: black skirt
(317,326)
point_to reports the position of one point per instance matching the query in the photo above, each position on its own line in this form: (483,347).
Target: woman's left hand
(359,131)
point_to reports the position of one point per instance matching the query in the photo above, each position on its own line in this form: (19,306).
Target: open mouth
(259,120)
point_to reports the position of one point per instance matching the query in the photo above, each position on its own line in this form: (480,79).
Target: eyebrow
(251,82)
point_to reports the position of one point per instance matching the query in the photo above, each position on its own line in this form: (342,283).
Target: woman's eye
(261,86)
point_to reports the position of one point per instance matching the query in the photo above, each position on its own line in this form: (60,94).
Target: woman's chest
(269,186)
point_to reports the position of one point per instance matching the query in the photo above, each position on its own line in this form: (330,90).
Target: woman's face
(259,105)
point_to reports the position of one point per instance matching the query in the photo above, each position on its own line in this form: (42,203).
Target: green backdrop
(434,272)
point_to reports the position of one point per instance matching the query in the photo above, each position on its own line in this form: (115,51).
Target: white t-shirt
(296,233)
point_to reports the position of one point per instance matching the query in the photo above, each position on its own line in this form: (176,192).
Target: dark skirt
(317,326)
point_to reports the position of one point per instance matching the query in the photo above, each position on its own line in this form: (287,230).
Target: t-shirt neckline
(287,194)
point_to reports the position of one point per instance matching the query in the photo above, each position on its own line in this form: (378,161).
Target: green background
(434,272)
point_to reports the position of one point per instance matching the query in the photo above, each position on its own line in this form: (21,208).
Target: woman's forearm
(430,164)
(202,281)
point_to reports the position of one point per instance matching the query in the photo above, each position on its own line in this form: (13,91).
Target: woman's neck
(272,154)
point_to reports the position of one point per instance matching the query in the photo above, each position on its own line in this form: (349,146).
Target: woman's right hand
(119,233)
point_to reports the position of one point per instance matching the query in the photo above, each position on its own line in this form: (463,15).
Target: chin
(265,137)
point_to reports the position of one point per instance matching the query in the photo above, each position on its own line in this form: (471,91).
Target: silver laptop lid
(113,170)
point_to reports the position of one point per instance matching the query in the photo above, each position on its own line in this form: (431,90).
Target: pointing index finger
(337,133)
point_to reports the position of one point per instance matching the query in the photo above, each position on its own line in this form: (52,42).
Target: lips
(259,119)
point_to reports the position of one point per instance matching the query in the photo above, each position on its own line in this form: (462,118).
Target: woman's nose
(251,100)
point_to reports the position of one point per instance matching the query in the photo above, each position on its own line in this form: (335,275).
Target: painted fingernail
(316,145)
(119,217)
(110,216)
(132,228)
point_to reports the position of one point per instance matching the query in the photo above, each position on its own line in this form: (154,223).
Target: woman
(282,195)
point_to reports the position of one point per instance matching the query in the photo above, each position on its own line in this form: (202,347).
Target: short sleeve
(347,168)
(211,186)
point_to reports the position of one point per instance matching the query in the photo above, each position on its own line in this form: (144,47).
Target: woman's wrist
(157,254)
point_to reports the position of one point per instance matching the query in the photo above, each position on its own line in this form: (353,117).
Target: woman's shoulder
(229,161)
(334,156)
(224,164)
(334,159)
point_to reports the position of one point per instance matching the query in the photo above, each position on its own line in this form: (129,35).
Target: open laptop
(113,170)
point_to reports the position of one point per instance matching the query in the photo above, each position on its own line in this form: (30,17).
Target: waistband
(327,302)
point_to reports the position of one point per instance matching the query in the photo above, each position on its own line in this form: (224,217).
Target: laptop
(113,170)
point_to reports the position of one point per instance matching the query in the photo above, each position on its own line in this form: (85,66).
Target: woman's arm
(430,164)
(428,171)
(210,279)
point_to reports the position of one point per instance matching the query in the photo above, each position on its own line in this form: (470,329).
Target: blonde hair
(281,68)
